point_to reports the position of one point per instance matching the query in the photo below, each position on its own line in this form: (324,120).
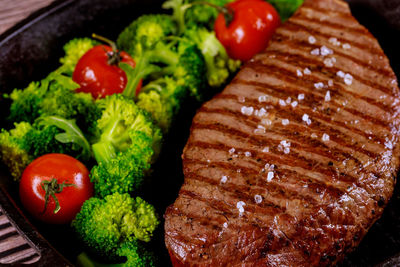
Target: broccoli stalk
(116,226)
(129,143)
(120,118)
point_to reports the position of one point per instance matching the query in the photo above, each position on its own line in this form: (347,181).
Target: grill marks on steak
(332,182)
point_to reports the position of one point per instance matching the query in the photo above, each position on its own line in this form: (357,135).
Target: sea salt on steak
(295,160)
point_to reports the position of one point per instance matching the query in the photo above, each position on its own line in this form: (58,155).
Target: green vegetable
(219,65)
(126,171)
(145,32)
(162,98)
(194,13)
(129,143)
(120,118)
(72,133)
(19,146)
(54,96)
(116,226)
(286,8)
(74,50)
(13,151)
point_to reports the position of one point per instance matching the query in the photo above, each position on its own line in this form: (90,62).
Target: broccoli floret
(54,95)
(115,226)
(219,64)
(145,30)
(13,150)
(74,50)
(19,146)
(176,57)
(136,255)
(121,117)
(162,98)
(194,13)
(126,172)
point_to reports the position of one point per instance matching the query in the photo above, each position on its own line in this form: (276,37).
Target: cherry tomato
(249,31)
(97,71)
(66,181)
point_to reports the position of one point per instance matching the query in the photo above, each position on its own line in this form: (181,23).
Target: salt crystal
(286,150)
(328,96)
(258,199)
(313,135)
(288,100)
(312,40)
(306,119)
(319,85)
(238,170)
(266,122)
(247,110)
(307,71)
(330,83)
(262,98)
(260,130)
(334,41)
(300,97)
(315,52)
(231,151)
(247,154)
(282,102)
(239,206)
(299,73)
(348,79)
(285,143)
(265,149)
(224,179)
(328,62)
(285,122)
(326,51)
(225,225)
(346,46)
(262,112)
(340,74)
(294,104)
(270,176)
(325,137)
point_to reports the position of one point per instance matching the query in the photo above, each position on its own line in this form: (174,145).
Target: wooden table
(12,11)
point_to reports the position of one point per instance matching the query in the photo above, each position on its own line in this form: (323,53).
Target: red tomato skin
(96,76)
(65,169)
(253,24)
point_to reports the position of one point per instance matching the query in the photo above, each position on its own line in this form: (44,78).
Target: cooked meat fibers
(295,160)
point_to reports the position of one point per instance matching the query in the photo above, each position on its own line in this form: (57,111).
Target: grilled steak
(295,160)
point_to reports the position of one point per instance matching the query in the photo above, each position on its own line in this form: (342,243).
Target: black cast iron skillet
(31,49)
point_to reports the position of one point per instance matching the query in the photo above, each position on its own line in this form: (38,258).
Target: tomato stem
(51,188)
(114,57)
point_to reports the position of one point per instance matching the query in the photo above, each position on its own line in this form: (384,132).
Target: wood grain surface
(12,11)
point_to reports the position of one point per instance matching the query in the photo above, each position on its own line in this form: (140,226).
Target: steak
(296,159)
